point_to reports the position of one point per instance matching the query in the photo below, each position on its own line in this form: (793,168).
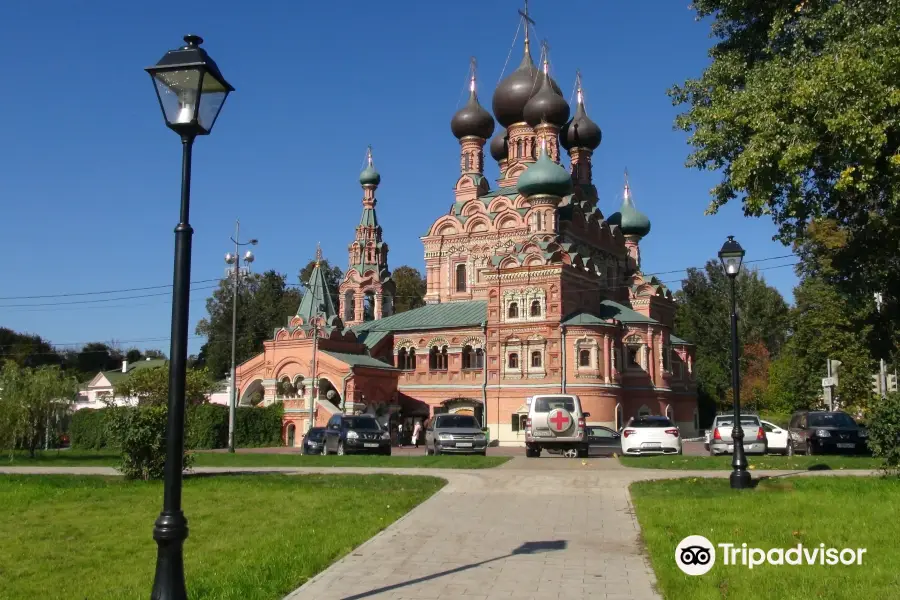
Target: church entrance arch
(327,391)
(252,393)
(291,434)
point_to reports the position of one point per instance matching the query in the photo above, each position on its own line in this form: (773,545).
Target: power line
(99,300)
(122,291)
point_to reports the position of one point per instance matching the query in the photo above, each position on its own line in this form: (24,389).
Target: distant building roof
(431,316)
(678,341)
(117,375)
(359,360)
(608,310)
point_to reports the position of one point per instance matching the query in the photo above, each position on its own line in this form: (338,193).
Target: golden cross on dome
(527,21)
(319,245)
(545,55)
(627,187)
(369,156)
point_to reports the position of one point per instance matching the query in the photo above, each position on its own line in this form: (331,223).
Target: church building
(530,290)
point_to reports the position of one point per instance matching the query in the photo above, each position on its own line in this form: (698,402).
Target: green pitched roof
(117,375)
(608,310)
(371,338)
(431,316)
(368,219)
(317,299)
(359,360)
(678,341)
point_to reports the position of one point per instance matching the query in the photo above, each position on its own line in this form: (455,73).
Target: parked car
(313,441)
(454,434)
(601,441)
(650,435)
(362,434)
(820,431)
(555,422)
(776,438)
(721,442)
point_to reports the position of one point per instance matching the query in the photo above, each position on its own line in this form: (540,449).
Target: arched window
(513,310)
(437,358)
(467,355)
(401,358)
(535,308)
(466,163)
(411,360)
(536,359)
(584,358)
(479,358)
(349,306)
(519,152)
(460,277)
(512,361)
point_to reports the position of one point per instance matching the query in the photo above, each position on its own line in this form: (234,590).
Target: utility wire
(139,289)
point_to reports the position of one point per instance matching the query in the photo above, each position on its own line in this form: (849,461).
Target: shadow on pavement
(526,548)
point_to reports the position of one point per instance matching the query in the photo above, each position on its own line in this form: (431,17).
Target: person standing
(417,431)
(400,434)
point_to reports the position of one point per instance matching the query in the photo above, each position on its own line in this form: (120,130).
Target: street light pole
(732,255)
(235,259)
(191,92)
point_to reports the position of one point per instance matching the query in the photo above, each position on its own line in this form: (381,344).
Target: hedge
(206,427)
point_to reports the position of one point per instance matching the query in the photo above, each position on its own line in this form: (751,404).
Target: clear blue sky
(90,176)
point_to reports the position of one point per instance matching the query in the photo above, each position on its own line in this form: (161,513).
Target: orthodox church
(530,290)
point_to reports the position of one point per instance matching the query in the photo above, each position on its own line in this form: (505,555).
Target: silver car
(454,434)
(555,423)
(721,442)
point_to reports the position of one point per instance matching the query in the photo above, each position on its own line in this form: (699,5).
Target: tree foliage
(265,302)
(27,350)
(151,386)
(32,401)
(704,318)
(410,290)
(140,433)
(799,111)
(884,431)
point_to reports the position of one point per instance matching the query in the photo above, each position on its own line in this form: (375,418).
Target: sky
(90,176)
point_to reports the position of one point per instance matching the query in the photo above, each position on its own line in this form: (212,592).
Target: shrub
(88,430)
(257,427)
(141,435)
(884,431)
(207,427)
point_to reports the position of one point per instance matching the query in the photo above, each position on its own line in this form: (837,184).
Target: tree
(410,290)
(799,112)
(27,350)
(151,386)
(333,277)
(824,325)
(97,356)
(704,317)
(31,402)
(264,304)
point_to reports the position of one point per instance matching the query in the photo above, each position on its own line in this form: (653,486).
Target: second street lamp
(191,92)
(235,259)
(732,255)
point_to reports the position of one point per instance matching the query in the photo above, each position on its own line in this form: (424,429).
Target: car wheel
(340,451)
(582,453)
(570,452)
(436,451)
(483,453)
(324,449)
(427,451)
(789,451)
(810,449)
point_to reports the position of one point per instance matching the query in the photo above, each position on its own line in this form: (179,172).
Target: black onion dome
(580,132)
(500,146)
(472,119)
(546,105)
(514,92)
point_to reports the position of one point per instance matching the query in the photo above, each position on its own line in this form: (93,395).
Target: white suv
(555,421)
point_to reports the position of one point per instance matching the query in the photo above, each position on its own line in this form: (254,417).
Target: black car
(313,441)
(601,441)
(821,431)
(362,434)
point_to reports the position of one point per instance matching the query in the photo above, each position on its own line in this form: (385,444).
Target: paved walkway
(550,528)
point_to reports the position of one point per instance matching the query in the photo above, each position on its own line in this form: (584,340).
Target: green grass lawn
(82,458)
(841,512)
(251,537)
(801,463)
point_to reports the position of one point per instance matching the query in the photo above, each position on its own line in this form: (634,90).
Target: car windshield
(366,423)
(831,420)
(651,422)
(445,421)
(729,422)
(316,434)
(545,404)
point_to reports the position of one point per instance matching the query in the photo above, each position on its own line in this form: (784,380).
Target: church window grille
(460,278)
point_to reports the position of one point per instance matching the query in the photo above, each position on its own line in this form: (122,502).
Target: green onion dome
(544,177)
(369,175)
(630,220)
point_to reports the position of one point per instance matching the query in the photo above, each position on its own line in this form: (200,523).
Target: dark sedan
(818,432)
(313,441)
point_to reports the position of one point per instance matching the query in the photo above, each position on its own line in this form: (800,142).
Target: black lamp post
(191,92)
(732,255)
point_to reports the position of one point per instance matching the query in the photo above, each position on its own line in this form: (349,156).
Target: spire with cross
(528,21)
(318,253)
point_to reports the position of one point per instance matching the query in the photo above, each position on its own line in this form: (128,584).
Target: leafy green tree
(140,432)
(799,112)
(410,291)
(824,325)
(704,317)
(333,277)
(27,350)
(265,302)
(151,386)
(31,403)
(97,356)
(884,431)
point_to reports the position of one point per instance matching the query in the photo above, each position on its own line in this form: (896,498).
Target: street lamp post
(235,259)
(191,92)
(732,255)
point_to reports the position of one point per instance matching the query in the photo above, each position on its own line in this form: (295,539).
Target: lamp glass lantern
(731,255)
(190,88)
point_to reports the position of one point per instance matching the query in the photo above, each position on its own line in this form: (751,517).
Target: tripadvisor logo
(696,555)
